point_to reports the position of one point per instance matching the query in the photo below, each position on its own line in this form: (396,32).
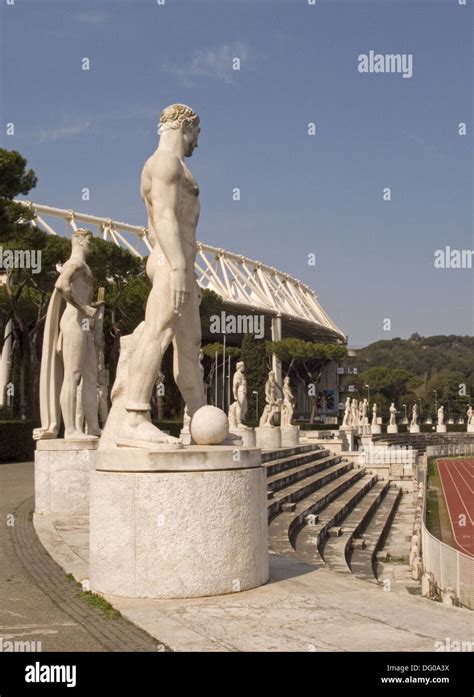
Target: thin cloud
(50,135)
(214,63)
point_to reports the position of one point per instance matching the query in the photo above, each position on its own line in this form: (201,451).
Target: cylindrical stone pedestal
(290,436)
(178,524)
(392,428)
(414,429)
(441,428)
(268,437)
(375,428)
(62,476)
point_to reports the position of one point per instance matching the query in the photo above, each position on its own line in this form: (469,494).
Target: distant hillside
(421,356)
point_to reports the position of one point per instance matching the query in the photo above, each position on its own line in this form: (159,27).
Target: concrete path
(38,603)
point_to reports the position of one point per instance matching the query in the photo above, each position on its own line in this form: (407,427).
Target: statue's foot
(44,434)
(94,432)
(146,432)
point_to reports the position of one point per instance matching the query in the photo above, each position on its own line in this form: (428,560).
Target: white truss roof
(237,279)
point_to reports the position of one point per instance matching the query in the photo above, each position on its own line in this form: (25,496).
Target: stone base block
(441,428)
(470,428)
(392,428)
(179,524)
(414,429)
(62,476)
(247,436)
(268,437)
(290,436)
(375,428)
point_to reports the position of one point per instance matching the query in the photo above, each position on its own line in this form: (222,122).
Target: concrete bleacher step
(284,524)
(307,539)
(304,485)
(336,549)
(296,472)
(282,464)
(286,452)
(362,560)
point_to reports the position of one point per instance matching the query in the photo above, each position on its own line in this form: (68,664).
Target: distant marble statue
(441,416)
(171,197)
(374,414)
(375,427)
(238,409)
(288,405)
(354,413)
(347,413)
(393,415)
(414,415)
(470,416)
(70,350)
(272,406)
(363,413)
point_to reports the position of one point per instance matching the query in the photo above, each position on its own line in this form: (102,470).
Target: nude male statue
(171,197)
(347,413)
(374,415)
(288,403)
(238,409)
(272,406)
(393,415)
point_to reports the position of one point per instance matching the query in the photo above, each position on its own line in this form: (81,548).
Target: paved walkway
(37,601)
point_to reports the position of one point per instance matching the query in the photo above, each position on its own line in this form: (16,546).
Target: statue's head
(286,381)
(82,238)
(240,366)
(183,118)
(271,376)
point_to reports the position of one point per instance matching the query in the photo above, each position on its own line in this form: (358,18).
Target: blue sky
(300,194)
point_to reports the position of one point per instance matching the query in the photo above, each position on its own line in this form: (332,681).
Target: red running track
(457,480)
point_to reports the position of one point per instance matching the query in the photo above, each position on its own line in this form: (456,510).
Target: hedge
(16,441)
(17,444)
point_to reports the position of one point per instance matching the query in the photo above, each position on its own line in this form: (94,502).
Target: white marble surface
(179,534)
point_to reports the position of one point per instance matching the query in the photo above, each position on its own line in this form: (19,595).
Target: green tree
(306,360)
(254,356)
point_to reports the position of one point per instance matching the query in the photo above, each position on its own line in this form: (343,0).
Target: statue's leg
(145,364)
(89,387)
(186,364)
(238,413)
(79,409)
(73,356)
(264,418)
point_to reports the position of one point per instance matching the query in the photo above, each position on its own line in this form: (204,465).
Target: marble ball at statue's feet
(209,426)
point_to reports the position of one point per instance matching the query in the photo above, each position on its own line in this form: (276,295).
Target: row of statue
(355,414)
(274,403)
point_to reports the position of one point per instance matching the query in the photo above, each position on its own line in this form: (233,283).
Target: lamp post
(406,415)
(368,393)
(435,392)
(256,405)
